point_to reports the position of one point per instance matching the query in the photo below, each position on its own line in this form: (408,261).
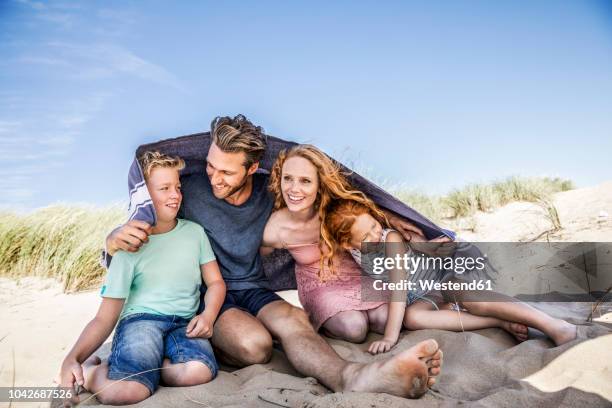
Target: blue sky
(430,95)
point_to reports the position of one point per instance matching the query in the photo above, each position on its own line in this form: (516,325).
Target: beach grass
(472,198)
(64,242)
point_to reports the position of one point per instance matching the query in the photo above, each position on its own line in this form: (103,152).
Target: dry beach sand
(482,368)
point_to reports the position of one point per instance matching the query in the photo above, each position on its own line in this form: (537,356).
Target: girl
(352,224)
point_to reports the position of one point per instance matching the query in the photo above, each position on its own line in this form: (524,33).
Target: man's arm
(403,226)
(128,237)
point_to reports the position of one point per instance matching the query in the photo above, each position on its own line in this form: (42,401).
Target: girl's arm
(202,324)
(92,337)
(397,307)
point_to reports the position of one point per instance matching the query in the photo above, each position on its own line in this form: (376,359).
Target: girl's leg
(513,310)
(377,318)
(185,374)
(351,325)
(111,392)
(423,315)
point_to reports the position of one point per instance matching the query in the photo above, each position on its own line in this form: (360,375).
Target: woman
(304,182)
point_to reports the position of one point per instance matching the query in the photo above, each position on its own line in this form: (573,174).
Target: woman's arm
(202,324)
(92,337)
(271,236)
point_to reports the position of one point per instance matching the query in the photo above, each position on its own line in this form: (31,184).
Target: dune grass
(64,241)
(61,242)
(467,201)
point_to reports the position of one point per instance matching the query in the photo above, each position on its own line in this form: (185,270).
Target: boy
(154,293)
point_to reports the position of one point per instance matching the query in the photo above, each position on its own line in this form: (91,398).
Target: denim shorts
(143,340)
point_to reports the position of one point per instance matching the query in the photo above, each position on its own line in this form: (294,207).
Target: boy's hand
(200,326)
(381,346)
(128,237)
(70,373)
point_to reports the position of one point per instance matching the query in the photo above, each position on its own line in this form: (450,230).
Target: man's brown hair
(238,134)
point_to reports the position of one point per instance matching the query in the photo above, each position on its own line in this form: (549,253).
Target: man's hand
(200,326)
(128,237)
(404,227)
(381,346)
(441,246)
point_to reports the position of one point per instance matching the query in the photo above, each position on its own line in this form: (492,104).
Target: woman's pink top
(322,300)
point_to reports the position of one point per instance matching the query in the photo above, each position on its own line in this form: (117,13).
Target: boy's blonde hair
(152,160)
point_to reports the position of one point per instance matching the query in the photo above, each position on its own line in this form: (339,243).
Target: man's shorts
(143,340)
(249,300)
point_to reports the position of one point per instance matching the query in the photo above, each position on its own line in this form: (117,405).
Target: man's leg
(406,374)
(240,339)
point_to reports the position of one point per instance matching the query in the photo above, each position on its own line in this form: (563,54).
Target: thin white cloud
(41,60)
(105,60)
(53,13)
(64,20)
(33,147)
(7,126)
(36,5)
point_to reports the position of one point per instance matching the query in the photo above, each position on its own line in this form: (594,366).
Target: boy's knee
(124,393)
(193,373)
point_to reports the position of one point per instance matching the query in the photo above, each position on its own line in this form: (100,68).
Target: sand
(481,368)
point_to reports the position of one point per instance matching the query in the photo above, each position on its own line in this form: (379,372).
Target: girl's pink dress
(322,300)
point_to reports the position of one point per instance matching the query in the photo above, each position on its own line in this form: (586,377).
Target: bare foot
(563,332)
(518,330)
(434,364)
(404,375)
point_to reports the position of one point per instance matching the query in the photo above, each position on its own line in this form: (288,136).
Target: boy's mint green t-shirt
(164,276)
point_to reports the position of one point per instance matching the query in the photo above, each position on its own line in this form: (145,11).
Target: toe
(426,348)
(434,371)
(431,381)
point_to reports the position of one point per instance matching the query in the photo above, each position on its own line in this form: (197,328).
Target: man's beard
(235,189)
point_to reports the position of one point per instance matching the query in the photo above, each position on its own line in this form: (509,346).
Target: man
(232,203)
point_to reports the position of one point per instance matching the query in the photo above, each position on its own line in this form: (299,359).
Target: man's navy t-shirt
(235,232)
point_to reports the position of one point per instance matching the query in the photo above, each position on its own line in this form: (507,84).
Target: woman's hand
(381,346)
(200,326)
